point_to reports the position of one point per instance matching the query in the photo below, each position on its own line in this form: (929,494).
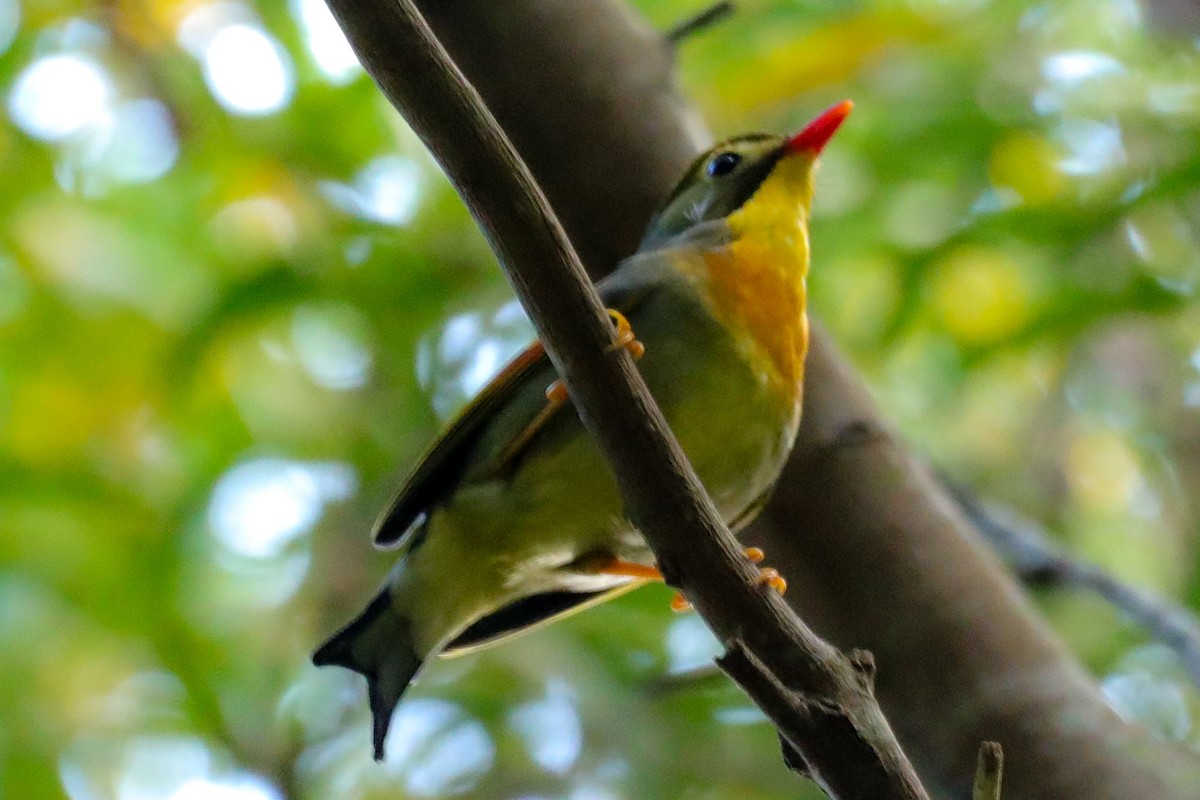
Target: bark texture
(878,556)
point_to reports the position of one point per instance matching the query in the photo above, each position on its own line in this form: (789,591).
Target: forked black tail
(378,645)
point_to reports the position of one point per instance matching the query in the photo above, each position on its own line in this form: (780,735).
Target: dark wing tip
(395,527)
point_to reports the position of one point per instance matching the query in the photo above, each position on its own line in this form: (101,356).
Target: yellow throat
(758,280)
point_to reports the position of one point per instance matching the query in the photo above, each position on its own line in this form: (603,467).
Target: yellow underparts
(758,280)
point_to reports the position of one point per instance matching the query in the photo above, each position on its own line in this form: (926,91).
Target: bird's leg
(557,395)
(767,576)
(556,398)
(625,569)
(631,569)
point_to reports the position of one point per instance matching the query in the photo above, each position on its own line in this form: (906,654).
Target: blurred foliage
(237,300)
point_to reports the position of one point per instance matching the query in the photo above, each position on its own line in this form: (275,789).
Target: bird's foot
(767,576)
(625,338)
(629,569)
(557,394)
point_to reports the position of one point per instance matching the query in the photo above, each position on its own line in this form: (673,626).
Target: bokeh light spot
(458,361)
(260,506)
(330,50)
(239,788)
(1103,470)
(387,190)
(1074,67)
(152,767)
(140,146)
(437,748)
(10,22)
(1147,700)
(155,766)
(134,143)
(260,226)
(57,95)
(1091,146)
(331,343)
(1028,165)
(551,729)
(247,71)
(981,295)
(690,644)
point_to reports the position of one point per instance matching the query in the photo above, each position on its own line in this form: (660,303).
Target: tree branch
(825,710)
(1027,548)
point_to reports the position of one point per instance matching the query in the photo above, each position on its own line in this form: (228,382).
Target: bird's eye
(723,164)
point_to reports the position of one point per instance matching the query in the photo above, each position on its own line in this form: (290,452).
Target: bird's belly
(562,502)
(736,434)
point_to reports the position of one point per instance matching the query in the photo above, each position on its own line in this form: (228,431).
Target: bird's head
(773,173)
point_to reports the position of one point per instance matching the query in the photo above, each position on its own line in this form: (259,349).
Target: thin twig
(685,29)
(989,771)
(1026,546)
(849,746)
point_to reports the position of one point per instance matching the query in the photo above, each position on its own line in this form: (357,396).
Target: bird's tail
(378,645)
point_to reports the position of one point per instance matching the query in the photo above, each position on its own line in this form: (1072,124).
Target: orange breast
(757,290)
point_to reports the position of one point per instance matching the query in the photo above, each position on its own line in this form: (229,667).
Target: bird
(513,519)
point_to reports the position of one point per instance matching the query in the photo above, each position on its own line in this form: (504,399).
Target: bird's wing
(443,465)
(528,613)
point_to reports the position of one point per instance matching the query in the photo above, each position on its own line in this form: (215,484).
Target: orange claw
(769,576)
(557,394)
(625,338)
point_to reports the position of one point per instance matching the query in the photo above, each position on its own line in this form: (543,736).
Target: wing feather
(443,465)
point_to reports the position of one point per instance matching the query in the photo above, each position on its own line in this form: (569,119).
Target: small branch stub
(863,662)
(705,19)
(989,769)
